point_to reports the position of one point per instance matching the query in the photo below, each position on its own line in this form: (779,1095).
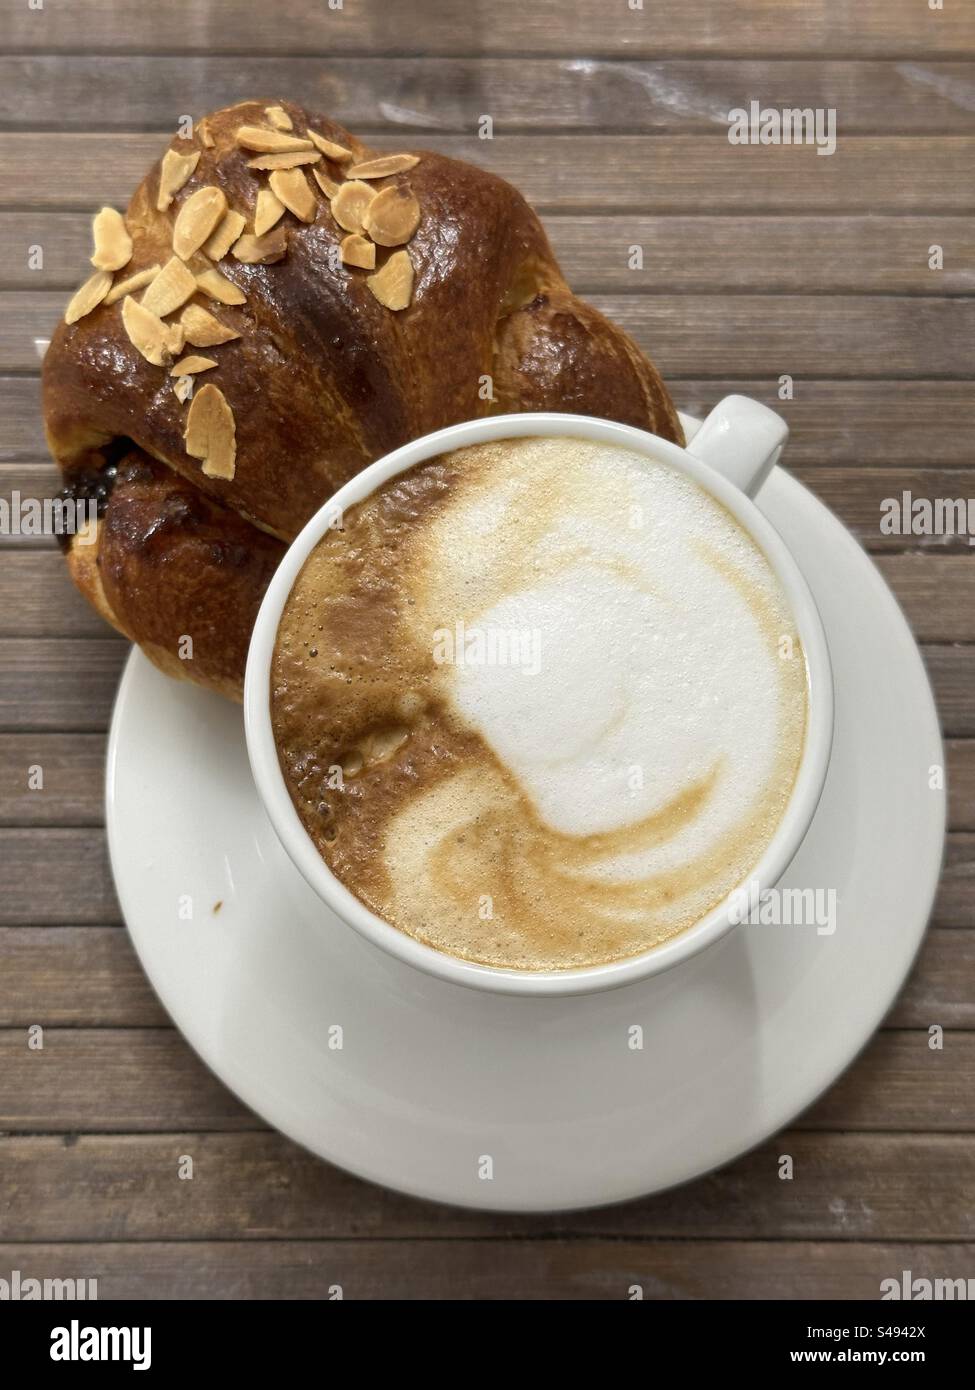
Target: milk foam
(656,669)
(587,692)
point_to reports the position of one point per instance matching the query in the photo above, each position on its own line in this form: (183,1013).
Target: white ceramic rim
(273,791)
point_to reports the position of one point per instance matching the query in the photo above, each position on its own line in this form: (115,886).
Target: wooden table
(758,262)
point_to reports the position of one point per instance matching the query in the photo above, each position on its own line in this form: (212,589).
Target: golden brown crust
(323,378)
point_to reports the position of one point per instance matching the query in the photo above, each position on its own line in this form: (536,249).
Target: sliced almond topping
(284,161)
(269,210)
(328,186)
(393,215)
(218,287)
(148,334)
(169,289)
(138,281)
(278,117)
(197,218)
(174,172)
(384,166)
(183,388)
(224,237)
(290,187)
(211,434)
(256,137)
(261,250)
(350,203)
(205,134)
(393,285)
(338,153)
(91,294)
(355,250)
(186,366)
(202,329)
(113,245)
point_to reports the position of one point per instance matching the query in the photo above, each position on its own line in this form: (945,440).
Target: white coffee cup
(729,457)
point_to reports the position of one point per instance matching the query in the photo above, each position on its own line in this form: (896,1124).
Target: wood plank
(859,336)
(388,94)
(146,1079)
(856,496)
(38,599)
(52,779)
(97,1080)
(53,876)
(681,254)
(520,1270)
(62,684)
(833,423)
(661,173)
(952,674)
(804,28)
(955,903)
(260,1187)
(73,764)
(937,592)
(78,977)
(88,976)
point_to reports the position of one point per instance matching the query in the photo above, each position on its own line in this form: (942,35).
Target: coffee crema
(540,703)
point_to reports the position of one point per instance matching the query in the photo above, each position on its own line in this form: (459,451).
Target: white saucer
(431,1077)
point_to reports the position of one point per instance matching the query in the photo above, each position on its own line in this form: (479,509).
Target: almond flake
(138,281)
(174,172)
(202,329)
(338,153)
(211,434)
(255,137)
(113,245)
(290,187)
(350,203)
(186,366)
(218,287)
(197,218)
(156,340)
(224,237)
(170,289)
(278,117)
(393,285)
(269,210)
(355,250)
(328,186)
(284,161)
(204,132)
(183,388)
(261,250)
(393,215)
(91,294)
(384,166)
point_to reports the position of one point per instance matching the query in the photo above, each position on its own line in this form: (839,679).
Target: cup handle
(742,440)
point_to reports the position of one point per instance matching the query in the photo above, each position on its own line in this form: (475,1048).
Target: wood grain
(65,684)
(145,1079)
(857,423)
(390,95)
(862,336)
(681,254)
(751,28)
(856,496)
(937,593)
(665,173)
(508,1270)
(259,1187)
(88,976)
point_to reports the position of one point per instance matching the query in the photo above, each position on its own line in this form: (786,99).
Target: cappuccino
(540,703)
